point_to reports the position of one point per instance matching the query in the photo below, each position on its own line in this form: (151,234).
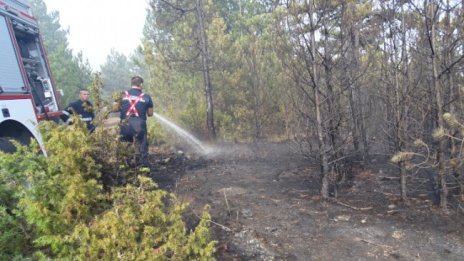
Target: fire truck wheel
(6,145)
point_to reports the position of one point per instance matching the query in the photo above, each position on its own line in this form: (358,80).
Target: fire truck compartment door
(10,72)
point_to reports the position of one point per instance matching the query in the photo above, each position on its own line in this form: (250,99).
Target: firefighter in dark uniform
(135,107)
(82,107)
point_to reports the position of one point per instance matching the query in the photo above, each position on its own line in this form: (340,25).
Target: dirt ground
(265,205)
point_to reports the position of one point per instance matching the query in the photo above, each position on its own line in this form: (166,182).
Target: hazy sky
(96,26)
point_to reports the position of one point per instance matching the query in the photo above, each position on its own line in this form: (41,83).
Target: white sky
(96,26)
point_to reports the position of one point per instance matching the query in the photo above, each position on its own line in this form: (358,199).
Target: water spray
(184,134)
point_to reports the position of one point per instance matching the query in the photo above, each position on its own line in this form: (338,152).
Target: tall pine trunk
(318,104)
(350,34)
(431,20)
(205,68)
(404,107)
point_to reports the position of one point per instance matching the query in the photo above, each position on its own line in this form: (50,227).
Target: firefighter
(82,107)
(134,109)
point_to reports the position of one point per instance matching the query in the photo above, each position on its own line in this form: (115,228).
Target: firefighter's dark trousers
(135,129)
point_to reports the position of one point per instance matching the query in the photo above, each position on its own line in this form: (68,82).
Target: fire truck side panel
(27,94)
(15,119)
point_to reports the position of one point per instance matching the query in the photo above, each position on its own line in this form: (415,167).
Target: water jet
(197,144)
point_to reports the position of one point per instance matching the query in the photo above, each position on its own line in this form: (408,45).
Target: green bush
(158,134)
(59,207)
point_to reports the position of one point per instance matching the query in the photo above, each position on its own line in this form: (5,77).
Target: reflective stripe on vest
(132,104)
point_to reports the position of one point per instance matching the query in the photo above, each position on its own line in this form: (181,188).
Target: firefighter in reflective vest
(82,107)
(135,107)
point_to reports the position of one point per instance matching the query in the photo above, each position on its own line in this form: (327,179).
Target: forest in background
(344,80)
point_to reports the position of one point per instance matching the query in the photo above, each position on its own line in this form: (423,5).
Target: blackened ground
(265,205)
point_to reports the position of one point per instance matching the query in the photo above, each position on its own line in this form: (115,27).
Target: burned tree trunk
(350,34)
(318,107)
(205,69)
(431,17)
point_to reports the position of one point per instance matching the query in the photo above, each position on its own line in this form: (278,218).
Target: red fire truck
(27,93)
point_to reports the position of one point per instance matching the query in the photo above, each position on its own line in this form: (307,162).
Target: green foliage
(14,232)
(114,157)
(247,77)
(157,134)
(95,89)
(139,226)
(193,117)
(452,121)
(13,242)
(59,207)
(402,156)
(65,191)
(439,133)
(452,132)
(199,245)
